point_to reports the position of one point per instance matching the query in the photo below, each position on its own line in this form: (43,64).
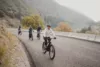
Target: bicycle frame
(47,48)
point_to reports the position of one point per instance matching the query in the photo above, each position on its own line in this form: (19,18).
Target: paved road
(69,52)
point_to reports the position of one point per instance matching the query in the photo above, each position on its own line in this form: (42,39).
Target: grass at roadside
(7,46)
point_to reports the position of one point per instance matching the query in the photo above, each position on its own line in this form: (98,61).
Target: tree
(63,27)
(33,20)
(84,30)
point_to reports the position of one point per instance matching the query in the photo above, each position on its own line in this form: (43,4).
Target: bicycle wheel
(38,36)
(32,38)
(21,33)
(18,32)
(52,52)
(44,47)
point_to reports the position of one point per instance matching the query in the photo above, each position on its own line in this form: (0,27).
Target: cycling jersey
(49,33)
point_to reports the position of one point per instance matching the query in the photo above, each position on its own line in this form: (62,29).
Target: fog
(88,7)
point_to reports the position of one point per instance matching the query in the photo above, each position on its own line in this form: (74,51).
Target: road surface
(69,52)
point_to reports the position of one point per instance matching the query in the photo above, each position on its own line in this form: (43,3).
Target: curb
(31,61)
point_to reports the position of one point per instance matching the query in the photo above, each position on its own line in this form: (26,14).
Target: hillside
(11,49)
(50,9)
(13,8)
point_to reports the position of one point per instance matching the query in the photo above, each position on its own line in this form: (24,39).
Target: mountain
(11,12)
(98,22)
(50,9)
(13,8)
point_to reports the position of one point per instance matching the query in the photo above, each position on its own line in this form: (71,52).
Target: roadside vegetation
(8,49)
(4,42)
(91,30)
(33,20)
(63,27)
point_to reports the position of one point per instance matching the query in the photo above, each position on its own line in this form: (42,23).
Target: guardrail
(90,37)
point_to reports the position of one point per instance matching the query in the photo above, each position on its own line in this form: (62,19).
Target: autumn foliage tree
(63,27)
(33,20)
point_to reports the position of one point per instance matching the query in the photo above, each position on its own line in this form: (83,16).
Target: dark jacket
(30,30)
(39,29)
(19,28)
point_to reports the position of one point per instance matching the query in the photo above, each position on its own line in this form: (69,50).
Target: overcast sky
(90,8)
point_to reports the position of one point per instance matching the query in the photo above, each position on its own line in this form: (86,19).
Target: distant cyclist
(30,32)
(39,29)
(19,30)
(48,34)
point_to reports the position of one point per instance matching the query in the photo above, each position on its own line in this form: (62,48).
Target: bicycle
(38,35)
(31,37)
(19,32)
(49,48)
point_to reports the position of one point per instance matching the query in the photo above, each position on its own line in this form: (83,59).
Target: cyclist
(19,30)
(48,34)
(38,30)
(30,32)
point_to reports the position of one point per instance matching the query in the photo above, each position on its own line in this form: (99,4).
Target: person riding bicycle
(19,29)
(38,31)
(30,32)
(48,34)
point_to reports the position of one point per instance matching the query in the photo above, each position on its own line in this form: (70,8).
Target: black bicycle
(19,32)
(31,37)
(49,48)
(38,35)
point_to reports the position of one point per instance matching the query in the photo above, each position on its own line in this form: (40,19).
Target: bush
(63,27)
(2,41)
(33,20)
(2,51)
(84,30)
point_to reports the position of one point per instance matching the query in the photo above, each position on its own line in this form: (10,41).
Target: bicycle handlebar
(53,38)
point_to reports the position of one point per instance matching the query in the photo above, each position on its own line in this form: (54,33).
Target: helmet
(48,25)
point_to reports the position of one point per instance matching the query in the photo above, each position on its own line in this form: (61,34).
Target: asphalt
(69,52)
